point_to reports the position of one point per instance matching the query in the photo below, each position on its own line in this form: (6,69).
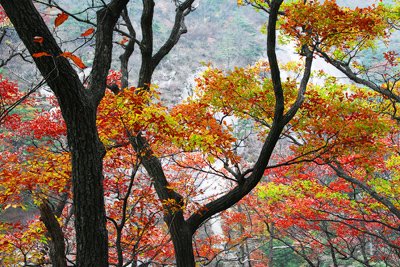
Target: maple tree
(361,208)
(341,202)
(169,197)
(334,194)
(351,142)
(79,107)
(110,137)
(132,210)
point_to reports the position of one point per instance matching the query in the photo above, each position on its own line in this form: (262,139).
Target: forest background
(301,211)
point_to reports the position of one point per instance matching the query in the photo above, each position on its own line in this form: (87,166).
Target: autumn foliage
(331,188)
(40,170)
(327,25)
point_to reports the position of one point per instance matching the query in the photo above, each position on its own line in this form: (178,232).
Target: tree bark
(56,234)
(182,240)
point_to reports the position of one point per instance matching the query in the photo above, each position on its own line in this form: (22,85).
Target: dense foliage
(327,173)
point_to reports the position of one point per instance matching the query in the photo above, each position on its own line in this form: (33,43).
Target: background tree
(98,123)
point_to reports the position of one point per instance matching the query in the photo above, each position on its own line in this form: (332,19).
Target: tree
(41,168)
(340,202)
(182,229)
(330,217)
(363,165)
(151,133)
(79,104)
(352,142)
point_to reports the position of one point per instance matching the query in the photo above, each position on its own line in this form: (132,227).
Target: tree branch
(178,29)
(384,201)
(107,17)
(345,69)
(249,183)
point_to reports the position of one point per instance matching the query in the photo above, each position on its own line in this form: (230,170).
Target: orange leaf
(38,39)
(88,32)
(41,54)
(60,19)
(124,40)
(75,59)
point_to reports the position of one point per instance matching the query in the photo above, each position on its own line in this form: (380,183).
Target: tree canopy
(264,158)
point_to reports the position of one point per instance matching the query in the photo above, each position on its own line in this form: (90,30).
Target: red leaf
(88,32)
(38,39)
(41,54)
(60,19)
(75,59)
(124,40)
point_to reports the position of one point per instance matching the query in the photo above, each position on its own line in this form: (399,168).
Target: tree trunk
(180,231)
(88,197)
(56,234)
(182,240)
